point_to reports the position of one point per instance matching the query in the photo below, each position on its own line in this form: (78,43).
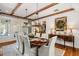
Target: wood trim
(42,9)
(66,10)
(2,13)
(17,6)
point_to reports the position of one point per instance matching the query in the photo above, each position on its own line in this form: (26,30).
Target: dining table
(38,42)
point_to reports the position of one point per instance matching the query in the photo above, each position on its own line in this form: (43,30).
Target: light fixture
(26,11)
(25,23)
(56,10)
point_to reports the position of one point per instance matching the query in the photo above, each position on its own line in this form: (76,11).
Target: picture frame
(41,28)
(61,24)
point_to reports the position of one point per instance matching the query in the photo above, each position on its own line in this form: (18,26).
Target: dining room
(39,29)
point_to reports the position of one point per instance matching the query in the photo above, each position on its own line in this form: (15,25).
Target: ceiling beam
(16,7)
(63,11)
(2,13)
(42,9)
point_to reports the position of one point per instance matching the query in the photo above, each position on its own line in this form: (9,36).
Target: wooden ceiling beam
(63,11)
(2,13)
(16,7)
(42,9)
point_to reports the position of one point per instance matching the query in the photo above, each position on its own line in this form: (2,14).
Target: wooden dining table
(38,42)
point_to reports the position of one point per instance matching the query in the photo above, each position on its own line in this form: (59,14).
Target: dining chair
(37,35)
(19,44)
(26,49)
(50,49)
(44,36)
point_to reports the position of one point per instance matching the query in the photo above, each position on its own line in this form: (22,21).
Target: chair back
(26,45)
(23,44)
(37,35)
(44,36)
(52,46)
(17,40)
(20,44)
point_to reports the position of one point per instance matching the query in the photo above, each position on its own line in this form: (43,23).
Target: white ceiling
(7,7)
(31,7)
(59,7)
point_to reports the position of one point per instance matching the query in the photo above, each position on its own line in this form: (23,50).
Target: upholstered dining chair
(44,36)
(19,44)
(26,49)
(50,49)
(37,35)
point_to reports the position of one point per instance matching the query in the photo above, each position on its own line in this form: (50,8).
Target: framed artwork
(61,24)
(40,28)
(44,27)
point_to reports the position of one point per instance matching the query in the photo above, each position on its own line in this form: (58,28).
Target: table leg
(64,43)
(37,51)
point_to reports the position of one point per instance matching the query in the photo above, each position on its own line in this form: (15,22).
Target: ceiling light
(26,9)
(56,10)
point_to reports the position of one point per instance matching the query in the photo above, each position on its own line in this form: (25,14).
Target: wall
(72,20)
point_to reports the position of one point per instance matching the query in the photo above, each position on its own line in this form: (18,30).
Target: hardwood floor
(68,50)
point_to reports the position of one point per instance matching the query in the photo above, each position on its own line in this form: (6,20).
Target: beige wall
(72,19)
